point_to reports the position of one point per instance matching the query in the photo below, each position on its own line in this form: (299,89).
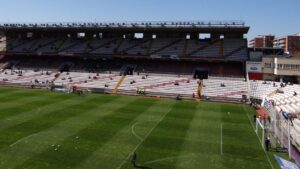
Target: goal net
(260,131)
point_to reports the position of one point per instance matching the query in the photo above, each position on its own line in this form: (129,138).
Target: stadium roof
(200,26)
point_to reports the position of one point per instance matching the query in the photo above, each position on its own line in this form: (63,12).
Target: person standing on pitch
(268,143)
(133,159)
(254,118)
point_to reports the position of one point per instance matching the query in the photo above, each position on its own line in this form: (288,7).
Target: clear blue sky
(279,17)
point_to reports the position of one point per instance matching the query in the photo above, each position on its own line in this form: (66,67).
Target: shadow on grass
(141,167)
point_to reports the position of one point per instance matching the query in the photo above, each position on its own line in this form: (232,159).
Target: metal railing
(150,24)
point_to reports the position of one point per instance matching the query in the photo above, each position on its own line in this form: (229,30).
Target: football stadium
(148,94)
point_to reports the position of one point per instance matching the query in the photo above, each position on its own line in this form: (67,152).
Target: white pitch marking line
(134,133)
(169,158)
(22,139)
(124,161)
(258,138)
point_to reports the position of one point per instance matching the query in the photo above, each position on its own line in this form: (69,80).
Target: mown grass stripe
(83,144)
(31,146)
(23,101)
(29,105)
(19,94)
(8,91)
(117,149)
(202,137)
(13,118)
(158,145)
(27,123)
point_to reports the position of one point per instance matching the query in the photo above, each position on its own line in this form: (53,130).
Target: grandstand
(158,57)
(96,55)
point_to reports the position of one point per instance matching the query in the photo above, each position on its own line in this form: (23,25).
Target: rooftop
(156,26)
(167,24)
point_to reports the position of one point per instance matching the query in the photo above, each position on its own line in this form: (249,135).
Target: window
(80,35)
(138,36)
(154,36)
(287,67)
(204,36)
(188,36)
(268,65)
(101,35)
(29,35)
(295,67)
(279,66)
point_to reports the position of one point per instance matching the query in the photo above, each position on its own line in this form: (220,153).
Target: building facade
(291,44)
(281,69)
(262,41)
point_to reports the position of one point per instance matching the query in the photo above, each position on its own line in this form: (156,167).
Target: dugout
(201,73)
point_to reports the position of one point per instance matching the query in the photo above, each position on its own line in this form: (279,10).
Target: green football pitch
(46,130)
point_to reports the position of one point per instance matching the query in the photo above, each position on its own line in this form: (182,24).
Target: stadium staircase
(120,42)
(102,45)
(274,92)
(18,45)
(3,65)
(70,46)
(33,44)
(198,95)
(3,45)
(221,48)
(149,47)
(203,47)
(133,46)
(235,51)
(119,84)
(185,45)
(61,44)
(166,46)
(57,75)
(46,44)
(87,45)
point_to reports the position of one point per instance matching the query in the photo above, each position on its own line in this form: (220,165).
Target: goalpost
(260,131)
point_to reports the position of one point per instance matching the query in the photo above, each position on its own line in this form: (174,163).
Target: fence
(284,133)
